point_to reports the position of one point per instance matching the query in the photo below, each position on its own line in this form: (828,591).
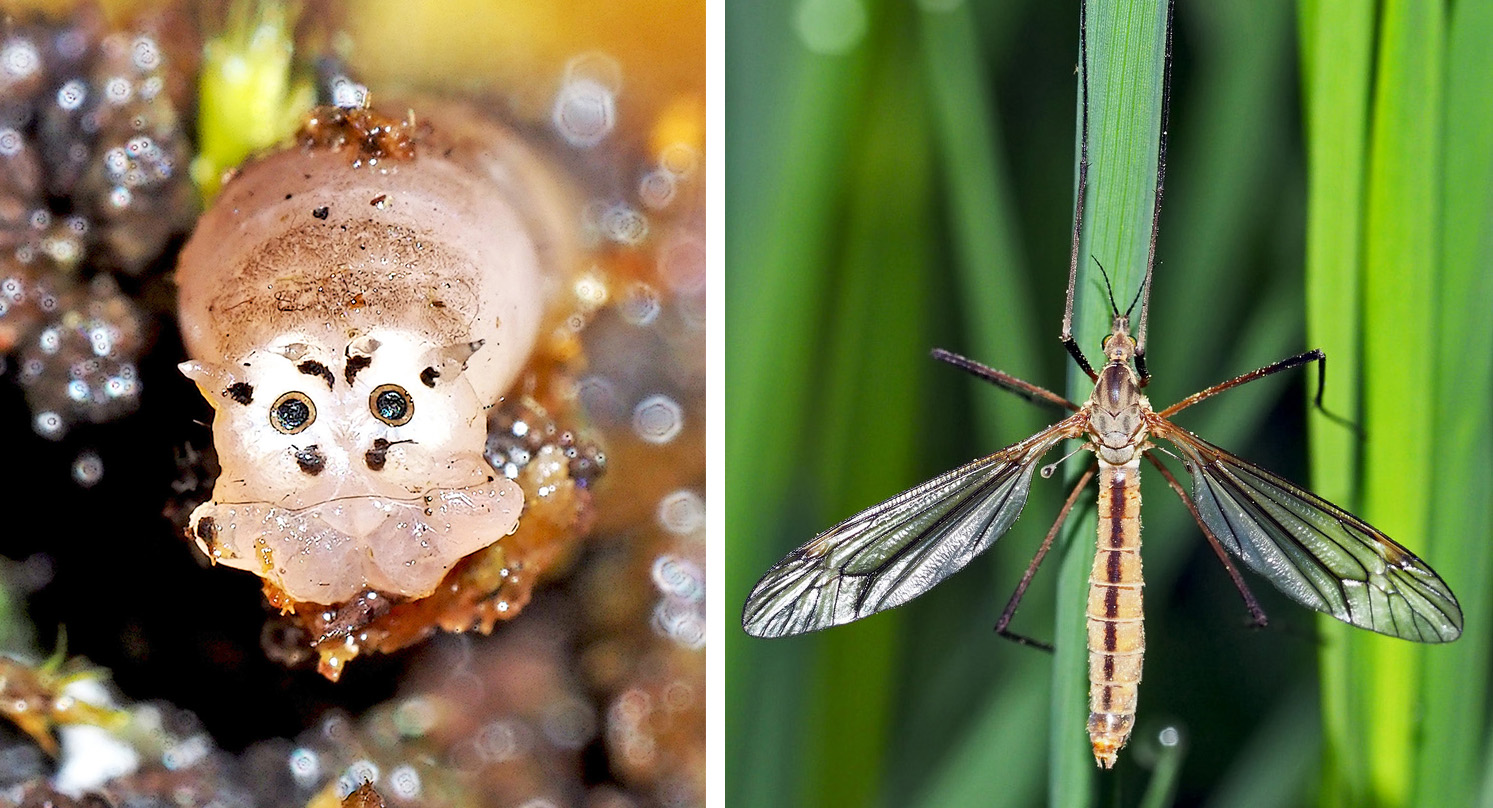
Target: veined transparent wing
(890,553)
(1312,550)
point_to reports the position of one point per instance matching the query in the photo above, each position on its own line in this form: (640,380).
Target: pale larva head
(351,319)
(351,469)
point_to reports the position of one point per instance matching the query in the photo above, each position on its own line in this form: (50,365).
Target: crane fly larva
(1313,551)
(354,304)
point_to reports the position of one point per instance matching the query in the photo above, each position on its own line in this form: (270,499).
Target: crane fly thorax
(1117,425)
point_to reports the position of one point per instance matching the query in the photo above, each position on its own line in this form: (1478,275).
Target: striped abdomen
(1117,637)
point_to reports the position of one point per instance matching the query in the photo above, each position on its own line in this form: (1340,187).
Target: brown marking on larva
(1112,602)
(1109,667)
(438,304)
(370,135)
(357,302)
(428,376)
(321,212)
(355,364)
(1106,697)
(1109,635)
(378,455)
(289,197)
(311,460)
(380,201)
(311,367)
(1112,566)
(207,529)
(314,271)
(240,392)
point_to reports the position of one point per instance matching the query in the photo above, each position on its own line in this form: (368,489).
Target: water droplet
(404,783)
(585,112)
(640,304)
(657,189)
(658,419)
(88,469)
(19,59)
(49,425)
(624,225)
(10,143)
(830,27)
(679,578)
(681,512)
(146,54)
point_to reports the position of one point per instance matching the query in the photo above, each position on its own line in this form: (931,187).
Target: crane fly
(1316,553)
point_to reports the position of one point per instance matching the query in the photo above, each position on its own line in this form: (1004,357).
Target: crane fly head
(1119,346)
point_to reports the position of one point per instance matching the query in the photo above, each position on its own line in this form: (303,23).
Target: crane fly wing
(1312,550)
(890,553)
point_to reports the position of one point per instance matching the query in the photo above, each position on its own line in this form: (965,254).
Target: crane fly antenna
(1145,287)
(1083,183)
(1108,287)
(1134,301)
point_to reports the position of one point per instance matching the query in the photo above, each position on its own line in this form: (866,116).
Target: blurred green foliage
(900,177)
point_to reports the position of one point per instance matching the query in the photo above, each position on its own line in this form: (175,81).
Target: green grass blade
(1336,43)
(879,319)
(1161,789)
(782,220)
(1277,766)
(1126,42)
(1448,767)
(995,759)
(997,765)
(1399,300)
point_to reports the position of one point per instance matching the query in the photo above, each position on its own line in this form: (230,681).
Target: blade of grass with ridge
(1461,496)
(1400,239)
(1126,43)
(1336,55)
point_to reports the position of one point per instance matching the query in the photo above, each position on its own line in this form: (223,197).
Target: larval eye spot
(391,404)
(292,413)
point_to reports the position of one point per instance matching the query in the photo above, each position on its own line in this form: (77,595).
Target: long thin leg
(1314,355)
(1026,390)
(1026,579)
(1256,614)
(1083,184)
(1166,103)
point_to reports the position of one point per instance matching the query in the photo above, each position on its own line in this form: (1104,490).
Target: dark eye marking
(311,367)
(428,376)
(292,412)
(378,455)
(311,460)
(207,529)
(391,404)
(242,392)
(355,364)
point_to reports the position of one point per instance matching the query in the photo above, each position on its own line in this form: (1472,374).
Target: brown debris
(372,135)
(364,796)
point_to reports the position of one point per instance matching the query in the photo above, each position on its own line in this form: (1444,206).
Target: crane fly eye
(292,412)
(391,404)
